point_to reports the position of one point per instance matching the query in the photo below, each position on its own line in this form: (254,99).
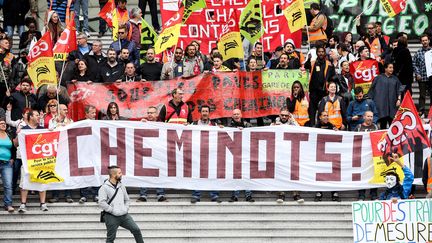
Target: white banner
(385,221)
(274,158)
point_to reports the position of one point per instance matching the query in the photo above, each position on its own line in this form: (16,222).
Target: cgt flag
(295,15)
(41,67)
(393,7)
(191,6)
(364,73)
(230,43)
(67,41)
(251,22)
(107,11)
(42,157)
(405,135)
(171,32)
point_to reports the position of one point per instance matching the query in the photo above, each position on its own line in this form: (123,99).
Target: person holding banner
(110,71)
(176,111)
(130,74)
(204,110)
(386,93)
(6,165)
(82,73)
(238,122)
(113,112)
(151,70)
(33,123)
(217,64)
(395,190)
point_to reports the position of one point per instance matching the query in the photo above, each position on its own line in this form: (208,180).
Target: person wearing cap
(294,56)
(20,100)
(275,58)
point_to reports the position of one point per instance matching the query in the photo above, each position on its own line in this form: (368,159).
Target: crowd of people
(333,100)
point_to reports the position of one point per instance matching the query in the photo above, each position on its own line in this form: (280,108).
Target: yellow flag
(171,32)
(115,23)
(295,15)
(41,67)
(230,43)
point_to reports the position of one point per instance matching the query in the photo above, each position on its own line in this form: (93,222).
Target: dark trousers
(384,121)
(422,99)
(102,23)
(113,222)
(142,4)
(315,97)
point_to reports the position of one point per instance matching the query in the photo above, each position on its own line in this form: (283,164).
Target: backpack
(330,27)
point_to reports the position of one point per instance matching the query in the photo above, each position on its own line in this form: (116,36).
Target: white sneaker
(82,200)
(43,207)
(22,208)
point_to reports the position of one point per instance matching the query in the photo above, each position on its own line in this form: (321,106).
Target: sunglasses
(121,33)
(52,106)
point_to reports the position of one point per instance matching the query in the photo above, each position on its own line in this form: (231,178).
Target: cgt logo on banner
(42,157)
(384,221)
(364,73)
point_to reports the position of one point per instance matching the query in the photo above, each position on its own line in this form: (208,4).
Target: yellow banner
(42,71)
(295,15)
(381,169)
(230,46)
(60,56)
(167,38)
(42,157)
(115,23)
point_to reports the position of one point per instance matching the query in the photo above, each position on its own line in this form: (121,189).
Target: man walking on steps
(116,211)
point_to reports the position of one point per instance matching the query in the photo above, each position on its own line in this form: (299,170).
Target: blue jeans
(160,192)
(102,23)
(83,4)
(10,30)
(248,193)
(213,194)
(6,175)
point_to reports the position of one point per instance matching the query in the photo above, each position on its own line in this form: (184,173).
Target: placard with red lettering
(405,221)
(364,73)
(205,25)
(256,94)
(41,157)
(161,155)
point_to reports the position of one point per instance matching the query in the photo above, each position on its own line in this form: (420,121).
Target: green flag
(148,39)
(191,6)
(251,21)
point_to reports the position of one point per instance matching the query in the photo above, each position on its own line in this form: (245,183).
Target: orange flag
(67,41)
(106,12)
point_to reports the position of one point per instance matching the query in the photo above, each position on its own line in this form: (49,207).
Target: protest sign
(255,93)
(205,26)
(385,221)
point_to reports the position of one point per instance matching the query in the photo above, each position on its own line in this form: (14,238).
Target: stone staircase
(177,220)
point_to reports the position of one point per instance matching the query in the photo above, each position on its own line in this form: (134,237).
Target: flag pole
(173,55)
(4,77)
(307,32)
(262,43)
(58,86)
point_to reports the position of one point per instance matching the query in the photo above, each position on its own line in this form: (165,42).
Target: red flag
(406,132)
(67,41)
(393,7)
(41,67)
(106,12)
(364,73)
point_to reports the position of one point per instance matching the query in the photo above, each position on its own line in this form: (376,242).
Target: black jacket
(95,62)
(20,101)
